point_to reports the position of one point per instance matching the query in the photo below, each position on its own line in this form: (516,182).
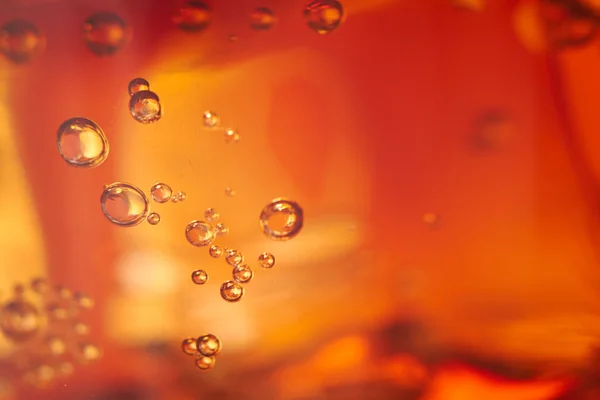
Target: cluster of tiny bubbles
(82,143)
(262,19)
(205,348)
(221,229)
(153,218)
(210,119)
(105,33)
(232,291)
(211,214)
(215,251)
(193,16)
(138,85)
(199,277)
(229,192)
(20,41)
(231,136)
(161,192)
(242,273)
(266,260)
(282,219)
(233,257)
(145,107)
(124,204)
(199,233)
(178,197)
(324,16)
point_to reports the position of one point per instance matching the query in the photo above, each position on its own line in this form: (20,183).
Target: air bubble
(199,277)
(203,362)
(210,119)
(229,192)
(211,214)
(178,197)
(84,301)
(233,257)
(232,136)
(242,273)
(266,260)
(20,41)
(221,229)
(124,204)
(105,33)
(40,285)
(82,143)
(138,85)
(153,218)
(431,219)
(161,192)
(194,16)
(19,320)
(188,346)
(145,107)
(89,352)
(199,233)
(232,291)
(56,345)
(215,251)
(208,345)
(281,220)
(324,16)
(262,19)
(80,328)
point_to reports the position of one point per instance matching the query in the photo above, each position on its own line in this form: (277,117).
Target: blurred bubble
(84,301)
(203,362)
(138,85)
(221,229)
(231,136)
(105,33)
(471,5)
(40,285)
(124,204)
(19,320)
(80,328)
(210,119)
(324,16)
(262,19)
(229,192)
(215,251)
(65,368)
(431,219)
(82,143)
(20,41)
(153,218)
(145,107)
(232,291)
(56,345)
(89,352)
(233,257)
(19,290)
(199,277)
(208,345)
(233,38)
(63,292)
(242,273)
(211,214)
(266,260)
(180,196)
(188,346)
(194,16)
(282,219)
(199,233)
(57,311)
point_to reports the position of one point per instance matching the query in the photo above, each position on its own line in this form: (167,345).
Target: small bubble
(281,219)
(210,119)
(493,130)
(471,5)
(19,320)
(180,196)
(199,277)
(232,291)
(57,311)
(188,346)
(138,85)
(229,192)
(199,233)
(124,204)
(105,33)
(153,218)
(194,16)
(221,229)
(203,362)
(242,273)
(262,19)
(65,368)
(215,251)
(145,107)
(63,292)
(324,16)
(84,301)
(431,219)
(40,285)
(20,41)
(56,345)
(19,290)
(208,345)
(233,38)
(161,192)
(233,257)
(80,328)
(89,352)
(231,136)
(211,214)
(82,143)
(266,260)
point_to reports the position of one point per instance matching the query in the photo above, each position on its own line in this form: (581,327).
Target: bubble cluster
(266,260)
(124,204)
(153,218)
(199,233)
(20,41)
(145,107)
(242,273)
(324,16)
(105,33)
(281,219)
(82,143)
(231,136)
(199,277)
(232,291)
(205,348)
(193,16)
(138,85)
(210,119)
(262,19)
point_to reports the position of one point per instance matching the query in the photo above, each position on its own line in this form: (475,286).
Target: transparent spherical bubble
(211,214)
(105,33)
(179,197)
(161,192)
(242,273)
(324,16)
(82,143)
(229,192)
(89,352)
(138,85)
(40,285)
(124,204)
(233,257)
(84,301)
(153,218)
(431,219)
(199,277)
(199,233)
(20,41)
(188,346)
(145,107)
(56,345)
(566,25)
(81,328)
(221,229)
(210,119)
(208,345)
(262,19)
(193,16)
(266,260)
(281,219)
(19,320)
(231,136)
(204,362)
(232,291)
(215,251)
